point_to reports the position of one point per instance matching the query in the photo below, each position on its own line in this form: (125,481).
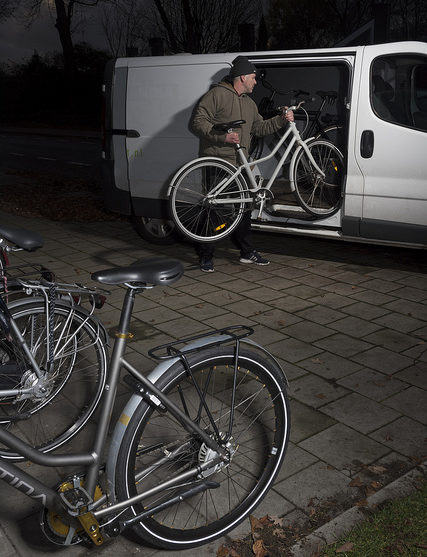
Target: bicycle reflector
(220,227)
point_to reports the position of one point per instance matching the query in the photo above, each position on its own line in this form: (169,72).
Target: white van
(379,101)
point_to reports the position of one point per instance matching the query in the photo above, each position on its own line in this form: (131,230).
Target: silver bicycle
(208,196)
(195,450)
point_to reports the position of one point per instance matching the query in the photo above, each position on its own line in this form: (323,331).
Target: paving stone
(276,319)
(383,286)
(308,332)
(261,294)
(360,413)
(265,335)
(246,307)
(406,307)
(291,304)
(315,281)
(372,384)
(315,391)
(399,322)
(343,345)
(383,360)
(413,294)
(296,459)
(293,350)
(343,288)
(405,436)
(220,297)
(304,291)
(393,340)
(305,421)
(416,375)
(278,283)
(411,402)
(374,298)
(329,366)
(203,310)
(321,314)
(226,320)
(343,447)
(422,333)
(332,300)
(354,326)
(315,485)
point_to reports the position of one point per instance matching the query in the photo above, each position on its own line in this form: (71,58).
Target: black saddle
(24,239)
(153,270)
(229,125)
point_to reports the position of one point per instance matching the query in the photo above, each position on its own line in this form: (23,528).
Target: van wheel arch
(156,231)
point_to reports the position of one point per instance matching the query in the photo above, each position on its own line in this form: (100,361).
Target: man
(225,102)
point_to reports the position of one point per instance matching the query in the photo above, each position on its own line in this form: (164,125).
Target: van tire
(156,231)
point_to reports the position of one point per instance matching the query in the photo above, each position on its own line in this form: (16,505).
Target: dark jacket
(222,104)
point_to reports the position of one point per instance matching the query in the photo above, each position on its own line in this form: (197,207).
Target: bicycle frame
(37,490)
(246,165)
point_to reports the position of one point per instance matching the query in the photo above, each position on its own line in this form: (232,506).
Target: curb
(342,524)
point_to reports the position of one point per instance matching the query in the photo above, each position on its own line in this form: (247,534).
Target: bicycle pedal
(75,500)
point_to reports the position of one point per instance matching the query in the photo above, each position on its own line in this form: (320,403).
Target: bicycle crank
(60,532)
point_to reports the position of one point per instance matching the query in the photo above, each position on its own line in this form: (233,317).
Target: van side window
(399,90)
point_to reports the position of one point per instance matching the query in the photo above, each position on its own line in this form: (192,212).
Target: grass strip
(395,529)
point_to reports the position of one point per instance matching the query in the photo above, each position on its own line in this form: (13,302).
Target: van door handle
(127,133)
(367,144)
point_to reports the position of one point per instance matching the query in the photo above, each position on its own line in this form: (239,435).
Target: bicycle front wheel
(317,195)
(252,426)
(197,215)
(56,406)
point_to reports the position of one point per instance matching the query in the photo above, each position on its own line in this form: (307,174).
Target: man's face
(249,82)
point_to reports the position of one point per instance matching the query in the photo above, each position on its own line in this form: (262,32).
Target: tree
(64,11)
(123,24)
(197,26)
(7,8)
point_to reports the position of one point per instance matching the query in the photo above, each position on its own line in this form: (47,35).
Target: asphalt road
(65,156)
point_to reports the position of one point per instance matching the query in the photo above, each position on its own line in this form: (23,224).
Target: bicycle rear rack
(172,350)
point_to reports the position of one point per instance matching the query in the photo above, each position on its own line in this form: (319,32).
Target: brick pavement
(348,322)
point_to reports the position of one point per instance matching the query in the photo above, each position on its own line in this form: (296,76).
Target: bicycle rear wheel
(156,447)
(62,402)
(199,217)
(319,196)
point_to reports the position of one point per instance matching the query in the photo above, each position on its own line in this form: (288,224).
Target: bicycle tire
(193,214)
(257,446)
(319,196)
(72,390)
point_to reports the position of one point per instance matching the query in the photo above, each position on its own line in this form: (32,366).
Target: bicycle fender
(183,168)
(154,376)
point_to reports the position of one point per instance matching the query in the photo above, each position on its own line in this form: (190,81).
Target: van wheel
(155,231)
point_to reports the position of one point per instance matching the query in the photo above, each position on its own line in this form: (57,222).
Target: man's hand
(288,115)
(232,137)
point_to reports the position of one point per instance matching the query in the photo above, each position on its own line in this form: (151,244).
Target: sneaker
(207,266)
(254,257)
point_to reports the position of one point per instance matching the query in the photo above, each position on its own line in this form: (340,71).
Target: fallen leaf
(348,546)
(277,521)
(376,485)
(259,549)
(279,533)
(320,395)
(223,551)
(255,523)
(362,503)
(356,482)
(376,469)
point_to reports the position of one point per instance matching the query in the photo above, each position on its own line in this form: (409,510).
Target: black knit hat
(241,66)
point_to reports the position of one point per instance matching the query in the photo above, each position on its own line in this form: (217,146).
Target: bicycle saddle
(22,238)
(152,270)
(229,125)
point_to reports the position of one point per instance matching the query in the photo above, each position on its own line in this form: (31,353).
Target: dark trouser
(241,238)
